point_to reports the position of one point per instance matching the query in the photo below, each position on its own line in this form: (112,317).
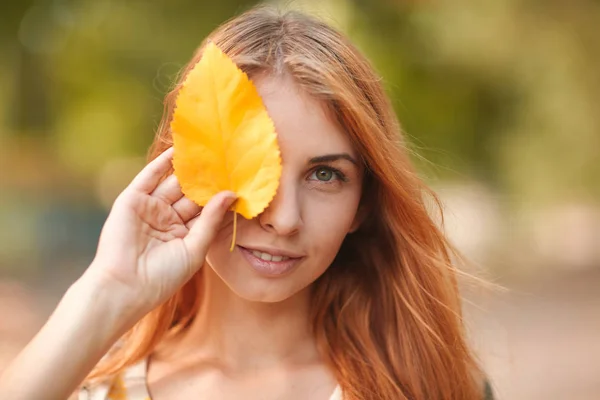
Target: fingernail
(229,198)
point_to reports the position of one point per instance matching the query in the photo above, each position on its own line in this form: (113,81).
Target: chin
(263,290)
(262,296)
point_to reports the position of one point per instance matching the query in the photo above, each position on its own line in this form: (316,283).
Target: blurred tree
(495,91)
(502,91)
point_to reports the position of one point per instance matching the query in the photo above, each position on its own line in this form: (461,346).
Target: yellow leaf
(223,137)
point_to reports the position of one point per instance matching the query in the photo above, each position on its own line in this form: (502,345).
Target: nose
(283,215)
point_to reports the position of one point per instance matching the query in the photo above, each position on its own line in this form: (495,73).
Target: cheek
(327,222)
(218,253)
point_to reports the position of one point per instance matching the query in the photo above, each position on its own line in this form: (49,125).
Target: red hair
(387,313)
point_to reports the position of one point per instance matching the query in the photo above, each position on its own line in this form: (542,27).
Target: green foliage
(500,91)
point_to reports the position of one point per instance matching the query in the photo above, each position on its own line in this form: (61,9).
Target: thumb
(204,230)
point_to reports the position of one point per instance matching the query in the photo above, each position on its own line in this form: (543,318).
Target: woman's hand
(153,240)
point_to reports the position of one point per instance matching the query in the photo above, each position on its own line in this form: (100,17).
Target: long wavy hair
(387,313)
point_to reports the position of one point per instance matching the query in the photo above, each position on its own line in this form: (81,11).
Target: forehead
(303,126)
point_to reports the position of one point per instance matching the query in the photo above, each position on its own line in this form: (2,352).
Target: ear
(361,215)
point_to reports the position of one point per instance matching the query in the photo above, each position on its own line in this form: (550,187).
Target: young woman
(342,288)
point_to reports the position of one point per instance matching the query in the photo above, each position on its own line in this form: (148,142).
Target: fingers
(186,209)
(149,177)
(191,222)
(168,190)
(205,227)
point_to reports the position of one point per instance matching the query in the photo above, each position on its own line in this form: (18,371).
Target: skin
(251,336)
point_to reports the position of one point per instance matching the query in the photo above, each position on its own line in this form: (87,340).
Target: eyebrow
(333,157)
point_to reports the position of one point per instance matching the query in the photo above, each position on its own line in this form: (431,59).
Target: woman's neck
(241,335)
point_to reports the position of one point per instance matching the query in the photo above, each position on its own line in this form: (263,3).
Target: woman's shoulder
(130,384)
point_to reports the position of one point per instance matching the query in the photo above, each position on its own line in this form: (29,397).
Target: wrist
(113,304)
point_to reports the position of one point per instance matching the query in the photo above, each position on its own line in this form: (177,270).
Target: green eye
(324,174)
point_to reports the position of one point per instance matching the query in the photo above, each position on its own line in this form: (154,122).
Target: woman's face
(288,246)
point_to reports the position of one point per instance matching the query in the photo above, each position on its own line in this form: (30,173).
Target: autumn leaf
(223,137)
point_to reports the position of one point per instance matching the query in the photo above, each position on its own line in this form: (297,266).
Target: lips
(272,252)
(270,262)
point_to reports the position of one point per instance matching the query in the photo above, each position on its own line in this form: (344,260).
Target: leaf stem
(234,230)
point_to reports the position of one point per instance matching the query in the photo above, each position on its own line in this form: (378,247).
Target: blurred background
(500,100)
